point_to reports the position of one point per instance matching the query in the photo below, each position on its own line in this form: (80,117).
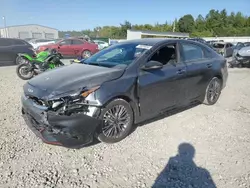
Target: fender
(25,56)
(82,50)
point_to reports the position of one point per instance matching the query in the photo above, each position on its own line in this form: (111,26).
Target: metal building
(137,34)
(29,31)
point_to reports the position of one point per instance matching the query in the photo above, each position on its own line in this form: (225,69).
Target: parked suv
(10,47)
(72,48)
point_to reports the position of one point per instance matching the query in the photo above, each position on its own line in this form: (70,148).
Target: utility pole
(5,28)
(174,26)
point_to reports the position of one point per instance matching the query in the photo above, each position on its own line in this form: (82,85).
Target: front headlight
(75,94)
(89,91)
(71,102)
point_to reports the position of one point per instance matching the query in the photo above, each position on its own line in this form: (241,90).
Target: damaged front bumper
(71,131)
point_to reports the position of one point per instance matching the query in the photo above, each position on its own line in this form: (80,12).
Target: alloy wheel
(214,90)
(86,54)
(24,71)
(115,121)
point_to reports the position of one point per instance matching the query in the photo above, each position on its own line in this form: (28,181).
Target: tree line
(215,23)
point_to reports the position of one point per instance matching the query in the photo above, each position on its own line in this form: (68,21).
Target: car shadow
(181,171)
(167,114)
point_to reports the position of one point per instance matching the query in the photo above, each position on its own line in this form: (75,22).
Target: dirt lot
(220,136)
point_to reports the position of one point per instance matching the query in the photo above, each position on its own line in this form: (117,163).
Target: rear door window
(207,53)
(77,42)
(192,52)
(66,42)
(167,54)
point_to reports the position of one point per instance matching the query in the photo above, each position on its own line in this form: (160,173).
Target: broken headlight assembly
(72,102)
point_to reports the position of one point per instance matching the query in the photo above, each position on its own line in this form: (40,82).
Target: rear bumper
(224,72)
(224,80)
(69,131)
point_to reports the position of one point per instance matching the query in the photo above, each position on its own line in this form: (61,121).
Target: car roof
(16,39)
(152,41)
(98,40)
(13,39)
(72,38)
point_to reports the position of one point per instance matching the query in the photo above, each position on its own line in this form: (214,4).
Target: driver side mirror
(152,65)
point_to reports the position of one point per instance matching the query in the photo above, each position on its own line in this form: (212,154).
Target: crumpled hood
(68,78)
(245,51)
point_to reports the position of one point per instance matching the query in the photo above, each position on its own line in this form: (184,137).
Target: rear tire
(213,91)
(22,73)
(117,121)
(86,54)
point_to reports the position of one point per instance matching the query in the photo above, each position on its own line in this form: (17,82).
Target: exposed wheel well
(124,98)
(127,99)
(220,78)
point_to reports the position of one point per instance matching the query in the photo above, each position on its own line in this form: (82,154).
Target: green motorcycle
(31,66)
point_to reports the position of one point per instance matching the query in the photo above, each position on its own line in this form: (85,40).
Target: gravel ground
(219,134)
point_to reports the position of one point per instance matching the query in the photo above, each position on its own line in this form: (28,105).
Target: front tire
(60,64)
(117,121)
(213,91)
(23,71)
(20,60)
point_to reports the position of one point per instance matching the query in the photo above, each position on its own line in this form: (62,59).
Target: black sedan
(120,86)
(10,47)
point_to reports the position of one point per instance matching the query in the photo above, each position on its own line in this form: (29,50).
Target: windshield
(218,45)
(247,44)
(119,55)
(239,46)
(57,40)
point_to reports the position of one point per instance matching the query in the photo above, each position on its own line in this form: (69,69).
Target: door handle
(181,71)
(209,65)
